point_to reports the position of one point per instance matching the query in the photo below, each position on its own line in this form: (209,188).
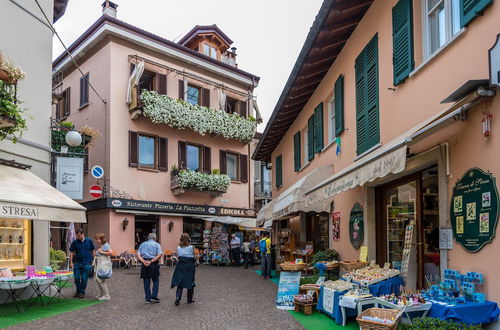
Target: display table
(360,302)
(421,309)
(470,313)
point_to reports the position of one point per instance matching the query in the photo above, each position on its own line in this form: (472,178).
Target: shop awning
(242,222)
(265,213)
(292,200)
(268,224)
(23,195)
(389,158)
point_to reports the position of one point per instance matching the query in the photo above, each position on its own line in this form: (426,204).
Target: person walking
(82,252)
(235,249)
(265,253)
(102,266)
(247,252)
(149,253)
(183,277)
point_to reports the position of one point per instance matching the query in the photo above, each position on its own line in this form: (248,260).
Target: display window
(15,243)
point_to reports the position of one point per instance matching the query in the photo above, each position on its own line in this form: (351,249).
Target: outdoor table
(12,288)
(470,312)
(418,308)
(360,302)
(59,283)
(37,285)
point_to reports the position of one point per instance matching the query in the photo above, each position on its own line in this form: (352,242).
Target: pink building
(170,166)
(388,125)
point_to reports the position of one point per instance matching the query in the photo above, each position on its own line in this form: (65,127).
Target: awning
(389,158)
(23,195)
(268,224)
(292,200)
(242,222)
(265,213)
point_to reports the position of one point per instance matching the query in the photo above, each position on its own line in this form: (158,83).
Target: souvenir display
(304,298)
(14,253)
(338,285)
(404,299)
(219,245)
(370,274)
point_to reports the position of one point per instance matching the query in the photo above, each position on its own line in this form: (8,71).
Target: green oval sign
(356,226)
(474,209)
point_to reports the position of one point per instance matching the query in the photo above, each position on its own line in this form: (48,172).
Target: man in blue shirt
(82,254)
(149,253)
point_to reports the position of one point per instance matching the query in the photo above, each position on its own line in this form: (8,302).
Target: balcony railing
(262,189)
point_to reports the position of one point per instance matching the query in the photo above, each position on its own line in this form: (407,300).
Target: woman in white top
(183,277)
(102,259)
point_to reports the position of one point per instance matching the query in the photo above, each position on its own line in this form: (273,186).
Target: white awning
(23,195)
(292,200)
(268,224)
(242,222)
(265,213)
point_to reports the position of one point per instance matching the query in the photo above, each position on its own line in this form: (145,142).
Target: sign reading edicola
(474,209)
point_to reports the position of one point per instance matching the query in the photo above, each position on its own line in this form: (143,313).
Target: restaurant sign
(474,209)
(356,226)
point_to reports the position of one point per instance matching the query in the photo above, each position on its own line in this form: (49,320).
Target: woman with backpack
(265,255)
(102,266)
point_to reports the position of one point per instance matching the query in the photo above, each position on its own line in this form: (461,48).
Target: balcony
(262,190)
(185,181)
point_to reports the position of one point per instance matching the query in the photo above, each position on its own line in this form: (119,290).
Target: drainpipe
(250,180)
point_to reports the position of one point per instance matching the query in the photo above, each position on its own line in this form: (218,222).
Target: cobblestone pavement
(226,298)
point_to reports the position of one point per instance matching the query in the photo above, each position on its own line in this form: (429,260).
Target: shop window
(84,90)
(441,22)
(15,244)
(147,151)
(193,94)
(194,228)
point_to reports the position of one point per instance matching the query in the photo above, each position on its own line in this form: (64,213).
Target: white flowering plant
(203,181)
(181,114)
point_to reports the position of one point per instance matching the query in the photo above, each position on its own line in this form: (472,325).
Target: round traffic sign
(95,191)
(97,171)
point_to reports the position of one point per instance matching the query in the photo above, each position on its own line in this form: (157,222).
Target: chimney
(109,8)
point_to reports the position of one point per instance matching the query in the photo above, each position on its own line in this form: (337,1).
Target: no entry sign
(96,191)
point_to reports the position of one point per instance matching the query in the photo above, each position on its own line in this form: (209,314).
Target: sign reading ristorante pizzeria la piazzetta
(474,209)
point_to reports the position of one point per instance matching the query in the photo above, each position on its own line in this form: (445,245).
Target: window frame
(331,120)
(238,174)
(61,107)
(212,51)
(86,91)
(200,156)
(199,93)
(155,144)
(426,26)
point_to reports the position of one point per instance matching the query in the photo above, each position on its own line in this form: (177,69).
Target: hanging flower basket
(186,180)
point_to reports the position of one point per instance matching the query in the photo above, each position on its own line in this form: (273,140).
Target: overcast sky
(268,33)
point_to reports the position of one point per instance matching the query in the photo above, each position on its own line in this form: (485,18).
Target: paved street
(226,298)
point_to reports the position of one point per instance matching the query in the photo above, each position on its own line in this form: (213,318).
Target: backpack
(263,246)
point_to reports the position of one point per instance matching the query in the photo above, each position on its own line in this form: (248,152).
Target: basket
(353,265)
(382,313)
(292,267)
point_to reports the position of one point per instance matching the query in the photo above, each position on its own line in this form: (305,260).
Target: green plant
(314,278)
(215,171)
(59,139)
(326,255)
(10,109)
(174,167)
(56,258)
(431,323)
(66,124)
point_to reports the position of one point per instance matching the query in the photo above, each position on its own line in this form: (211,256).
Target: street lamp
(73,138)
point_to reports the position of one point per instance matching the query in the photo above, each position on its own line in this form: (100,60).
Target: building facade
(159,145)
(396,99)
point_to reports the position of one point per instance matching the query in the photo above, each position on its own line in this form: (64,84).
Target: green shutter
(339,105)
(470,9)
(278,170)
(402,40)
(367,97)
(310,138)
(318,128)
(296,151)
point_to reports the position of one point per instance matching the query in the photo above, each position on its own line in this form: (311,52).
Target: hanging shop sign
(288,287)
(336,226)
(356,226)
(70,176)
(474,209)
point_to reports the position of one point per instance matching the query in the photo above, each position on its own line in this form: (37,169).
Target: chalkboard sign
(356,226)
(474,209)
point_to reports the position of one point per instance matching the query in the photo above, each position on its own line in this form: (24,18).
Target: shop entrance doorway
(409,207)
(317,230)
(144,225)
(194,227)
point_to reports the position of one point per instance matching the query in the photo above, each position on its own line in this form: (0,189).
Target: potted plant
(11,119)
(9,73)
(174,169)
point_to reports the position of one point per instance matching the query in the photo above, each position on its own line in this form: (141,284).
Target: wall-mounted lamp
(170,226)
(124,224)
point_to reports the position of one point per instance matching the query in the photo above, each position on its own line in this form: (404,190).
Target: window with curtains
(84,90)
(235,165)
(441,21)
(147,151)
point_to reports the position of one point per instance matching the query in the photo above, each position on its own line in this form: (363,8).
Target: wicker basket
(353,265)
(382,313)
(292,267)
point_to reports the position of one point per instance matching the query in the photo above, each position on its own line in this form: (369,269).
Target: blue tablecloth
(385,287)
(471,313)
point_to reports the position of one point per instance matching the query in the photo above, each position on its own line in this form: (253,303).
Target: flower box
(185,180)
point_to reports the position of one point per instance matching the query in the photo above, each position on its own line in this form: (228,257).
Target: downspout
(250,179)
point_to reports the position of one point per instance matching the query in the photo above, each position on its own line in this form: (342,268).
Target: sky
(269,34)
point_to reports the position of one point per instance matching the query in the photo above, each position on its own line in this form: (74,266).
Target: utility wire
(68,52)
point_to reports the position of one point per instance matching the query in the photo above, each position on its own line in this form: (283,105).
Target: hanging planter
(11,119)
(186,180)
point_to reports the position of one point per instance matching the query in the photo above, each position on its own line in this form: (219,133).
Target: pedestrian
(183,277)
(235,249)
(247,251)
(82,254)
(265,253)
(149,253)
(102,267)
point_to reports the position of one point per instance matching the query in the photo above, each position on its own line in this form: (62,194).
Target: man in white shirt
(235,249)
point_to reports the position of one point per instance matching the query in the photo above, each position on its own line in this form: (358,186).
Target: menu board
(407,249)
(474,209)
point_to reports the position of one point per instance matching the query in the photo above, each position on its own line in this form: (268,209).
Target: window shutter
(402,40)
(82,87)
(133,138)
(58,109)
(243,168)
(318,128)
(207,160)
(470,9)
(296,151)
(367,103)
(86,159)
(182,155)
(339,105)
(181,90)
(243,109)
(162,84)
(310,138)
(279,174)
(205,97)
(67,101)
(162,154)
(222,162)
(86,88)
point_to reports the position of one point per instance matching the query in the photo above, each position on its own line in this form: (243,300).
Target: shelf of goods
(15,245)
(370,275)
(286,238)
